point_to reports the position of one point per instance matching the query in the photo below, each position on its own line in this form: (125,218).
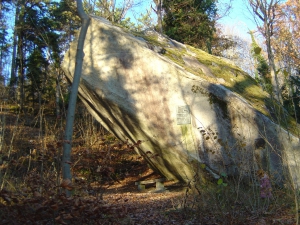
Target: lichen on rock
(138,93)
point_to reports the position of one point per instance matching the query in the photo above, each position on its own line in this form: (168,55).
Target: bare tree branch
(265,10)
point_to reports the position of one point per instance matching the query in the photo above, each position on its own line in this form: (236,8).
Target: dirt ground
(103,187)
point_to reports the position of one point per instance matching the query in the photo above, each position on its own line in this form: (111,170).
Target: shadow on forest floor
(104,192)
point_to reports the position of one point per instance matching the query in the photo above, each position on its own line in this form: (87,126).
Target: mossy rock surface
(183,104)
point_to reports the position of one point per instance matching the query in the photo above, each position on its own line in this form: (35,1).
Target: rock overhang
(138,86)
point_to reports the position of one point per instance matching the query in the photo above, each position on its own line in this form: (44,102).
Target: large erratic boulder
(180,103)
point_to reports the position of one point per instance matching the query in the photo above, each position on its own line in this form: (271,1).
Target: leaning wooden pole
(67,146)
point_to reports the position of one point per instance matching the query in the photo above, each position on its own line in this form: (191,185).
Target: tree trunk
(158,12)
(57,96)
(21,77)
(13,75)
(274,77)
(113,7)
(265,12)
(66,160)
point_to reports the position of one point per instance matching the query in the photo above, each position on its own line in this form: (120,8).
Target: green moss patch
(235,79)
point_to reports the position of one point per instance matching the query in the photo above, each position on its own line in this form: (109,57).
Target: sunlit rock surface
(179,102)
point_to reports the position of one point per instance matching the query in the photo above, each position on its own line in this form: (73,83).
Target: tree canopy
(190,21)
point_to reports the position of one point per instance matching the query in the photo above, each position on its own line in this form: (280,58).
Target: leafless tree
(223,9)
(264,14)
(158,10)
(109,9)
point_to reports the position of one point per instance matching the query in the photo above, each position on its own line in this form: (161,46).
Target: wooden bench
(158,182)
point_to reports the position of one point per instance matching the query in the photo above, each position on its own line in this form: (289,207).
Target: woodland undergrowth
(104,171)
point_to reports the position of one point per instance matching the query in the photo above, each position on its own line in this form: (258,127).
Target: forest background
(38,33)
(35,34)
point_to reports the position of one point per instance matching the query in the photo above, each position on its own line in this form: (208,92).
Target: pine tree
(65,21)
(190,21)
(39,47)
(263,75)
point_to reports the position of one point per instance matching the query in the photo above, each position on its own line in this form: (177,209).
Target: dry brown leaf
(54,207)
(77,202)
(117,199)
(98,169)
(69,188)
(76,214)
(95,209)
(67,184)
(111,169)
(67,216)
(6,198)
(37,194)
(59,220)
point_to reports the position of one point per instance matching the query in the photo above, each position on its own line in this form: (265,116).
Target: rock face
(178,101)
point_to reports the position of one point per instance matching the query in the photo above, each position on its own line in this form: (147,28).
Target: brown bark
(158,12)
(265,10)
